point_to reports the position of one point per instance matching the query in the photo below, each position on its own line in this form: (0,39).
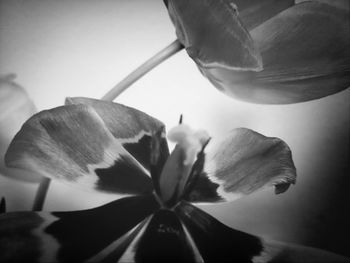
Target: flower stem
(41,194)
(151,63)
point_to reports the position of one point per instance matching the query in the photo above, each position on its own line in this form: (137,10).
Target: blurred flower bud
(15,108)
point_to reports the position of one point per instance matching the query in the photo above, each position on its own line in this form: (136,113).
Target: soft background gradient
(83,48)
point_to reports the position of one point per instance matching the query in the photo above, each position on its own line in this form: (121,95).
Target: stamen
(181,119)
(190,140)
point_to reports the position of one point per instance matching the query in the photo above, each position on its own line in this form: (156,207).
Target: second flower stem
(151,63)
(41,194)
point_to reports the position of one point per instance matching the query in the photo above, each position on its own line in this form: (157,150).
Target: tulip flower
(107,147)
(273,52)
(15,108)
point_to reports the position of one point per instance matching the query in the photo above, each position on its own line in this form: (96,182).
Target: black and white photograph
(195,131)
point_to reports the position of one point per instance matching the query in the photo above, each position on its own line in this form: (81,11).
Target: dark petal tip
(3,205)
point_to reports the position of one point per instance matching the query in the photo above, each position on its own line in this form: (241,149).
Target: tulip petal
(133,129)
(70,236)
(213,35)
(219,243)
(72,144)
(254,12)
(175,172)
(163,240)
(343,4)
(15,108)
(243,163)
(215,241)
(305,53)
(159,156)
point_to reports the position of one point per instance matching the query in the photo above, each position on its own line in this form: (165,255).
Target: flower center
(178,168)
(189,140)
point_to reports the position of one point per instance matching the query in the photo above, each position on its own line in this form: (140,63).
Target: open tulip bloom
(267,51)
(107,147)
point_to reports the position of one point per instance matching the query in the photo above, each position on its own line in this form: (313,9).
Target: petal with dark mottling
(305,53)
(217,242)
(72,236)
(73,144)
(133,129)
(243,163)
(213,35)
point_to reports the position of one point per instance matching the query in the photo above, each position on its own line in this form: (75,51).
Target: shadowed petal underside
(164,239)
(217,242)
(72,236)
